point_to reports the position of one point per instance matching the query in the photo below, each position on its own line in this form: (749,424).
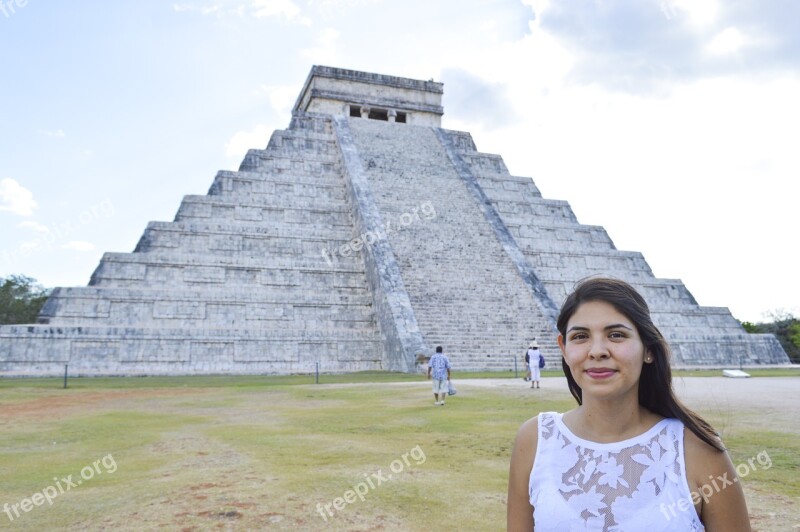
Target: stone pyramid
(362,236)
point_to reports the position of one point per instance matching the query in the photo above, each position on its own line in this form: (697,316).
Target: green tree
(794,334)
(750,327)
(21,299)
(786,329)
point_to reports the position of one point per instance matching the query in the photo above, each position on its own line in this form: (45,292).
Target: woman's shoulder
(699,451)
(529,430)
(702,460)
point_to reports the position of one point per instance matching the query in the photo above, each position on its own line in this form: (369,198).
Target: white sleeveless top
(631,485)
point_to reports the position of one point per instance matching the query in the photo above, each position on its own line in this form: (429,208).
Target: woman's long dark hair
(655,383)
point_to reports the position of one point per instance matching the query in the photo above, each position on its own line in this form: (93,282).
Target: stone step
(257,228)
(262,209)
(552,236)
(215,316)
(497,188)
(311,122)
(261,161)
(157,269)
(89,350)
(276,193)
(250,239)
(84,299)
(302,139)
(332,176)
(485,164)
(533,210)
(300,160)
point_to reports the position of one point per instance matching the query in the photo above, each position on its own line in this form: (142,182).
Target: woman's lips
(600,373)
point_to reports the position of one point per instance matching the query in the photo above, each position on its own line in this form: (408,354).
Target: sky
(671,123)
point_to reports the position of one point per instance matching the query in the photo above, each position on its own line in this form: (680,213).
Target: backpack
(541,360)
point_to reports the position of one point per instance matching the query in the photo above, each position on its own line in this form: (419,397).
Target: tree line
(21,299)
(785,326)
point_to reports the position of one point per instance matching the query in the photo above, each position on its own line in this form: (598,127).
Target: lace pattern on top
(636,484)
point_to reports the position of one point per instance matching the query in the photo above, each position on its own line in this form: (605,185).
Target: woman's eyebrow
(577,328)
(606,328)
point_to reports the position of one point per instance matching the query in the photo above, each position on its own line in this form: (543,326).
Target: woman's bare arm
(520,511)
(715,485)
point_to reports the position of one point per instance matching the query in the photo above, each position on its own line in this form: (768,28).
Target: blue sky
(672,123)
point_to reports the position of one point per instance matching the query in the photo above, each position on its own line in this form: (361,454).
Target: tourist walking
(439,373)
(630,456)
(528,362)
(535,363)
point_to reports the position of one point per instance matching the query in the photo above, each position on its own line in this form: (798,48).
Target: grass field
(359,452)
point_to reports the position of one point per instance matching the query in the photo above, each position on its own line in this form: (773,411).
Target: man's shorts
(439,386)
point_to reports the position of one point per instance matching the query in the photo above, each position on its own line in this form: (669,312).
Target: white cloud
(700,12)
(31,245)
(325,52)
(242,141)
(727,41)
(15,198)
(285,9)
(58,133)
(281,97)
(78,245)
(36,226)
(279,8)
(203,10)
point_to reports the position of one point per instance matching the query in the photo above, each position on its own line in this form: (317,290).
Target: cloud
(281,97)
(485,103)
(698,12)
(31,245)
(36,226)
(241,141)
(59,133)
(203,10)
(279,8)
(325,50)
(15,198)
(78,245)
(647,47)
(727,41)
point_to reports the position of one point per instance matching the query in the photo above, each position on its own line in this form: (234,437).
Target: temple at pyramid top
(337,91)
(360,237)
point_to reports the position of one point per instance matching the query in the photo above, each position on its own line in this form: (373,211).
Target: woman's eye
(616,334)
(578,336)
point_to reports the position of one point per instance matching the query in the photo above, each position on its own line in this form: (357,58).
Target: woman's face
(603,351)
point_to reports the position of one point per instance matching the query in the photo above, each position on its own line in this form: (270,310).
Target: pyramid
(360,238)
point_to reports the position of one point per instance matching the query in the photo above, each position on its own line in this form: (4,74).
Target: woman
(621,460)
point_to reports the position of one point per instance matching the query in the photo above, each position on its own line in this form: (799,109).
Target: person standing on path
(534,357)
(439,371)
